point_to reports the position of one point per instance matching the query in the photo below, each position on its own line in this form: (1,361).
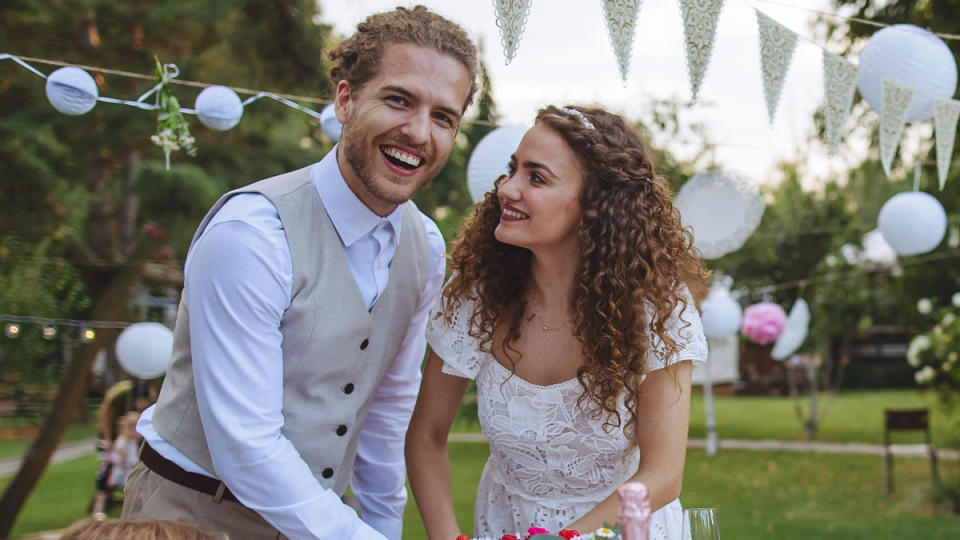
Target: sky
(565,57)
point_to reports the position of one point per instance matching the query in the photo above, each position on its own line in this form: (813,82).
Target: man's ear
(341,102)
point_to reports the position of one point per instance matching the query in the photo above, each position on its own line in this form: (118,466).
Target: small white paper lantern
(911,56)
(722,207)
(219,108)
(722,314)
(490,159)
(71,90)
(143,349)
(329,124)
(912,222)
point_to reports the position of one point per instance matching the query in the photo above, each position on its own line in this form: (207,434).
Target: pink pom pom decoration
(763,322)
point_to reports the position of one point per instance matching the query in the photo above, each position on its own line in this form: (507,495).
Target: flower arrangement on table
(934,354)
(538,533)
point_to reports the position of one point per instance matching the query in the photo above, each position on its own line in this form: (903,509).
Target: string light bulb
(12,330)
(49,332)
(87,335)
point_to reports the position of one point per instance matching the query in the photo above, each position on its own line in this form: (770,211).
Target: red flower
(509,537)
(463,537)
(568,533)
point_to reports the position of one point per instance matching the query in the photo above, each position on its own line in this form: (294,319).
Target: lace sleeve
(452,342)
(691,342)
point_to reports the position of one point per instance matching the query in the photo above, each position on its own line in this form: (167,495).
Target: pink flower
(763,322)
(537,530)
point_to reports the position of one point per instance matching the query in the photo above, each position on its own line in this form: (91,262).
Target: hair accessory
(583,118)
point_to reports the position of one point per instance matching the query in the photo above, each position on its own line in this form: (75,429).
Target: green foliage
(32,283)
(935,353)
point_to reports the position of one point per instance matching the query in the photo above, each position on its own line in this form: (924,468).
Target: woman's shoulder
(448,333)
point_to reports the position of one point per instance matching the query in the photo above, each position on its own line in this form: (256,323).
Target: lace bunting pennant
(511,19)
(621,16)
(946,114)
(896,101)
(839,84)
(699,30)
(777,43)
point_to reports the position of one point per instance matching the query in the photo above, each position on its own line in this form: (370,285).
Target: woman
(572,305)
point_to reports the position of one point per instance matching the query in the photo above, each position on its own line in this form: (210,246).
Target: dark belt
(172,472)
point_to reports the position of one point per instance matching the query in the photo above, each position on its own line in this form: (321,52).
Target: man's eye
(396,99)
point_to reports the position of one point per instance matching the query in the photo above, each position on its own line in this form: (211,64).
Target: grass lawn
(852,416)
(758,494)
(778,495)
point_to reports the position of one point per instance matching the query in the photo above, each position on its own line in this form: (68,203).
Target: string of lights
(12,326)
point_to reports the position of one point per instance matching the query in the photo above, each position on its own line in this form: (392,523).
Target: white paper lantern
(143,349)
(723,208)
(329,124)
(219,108)
(490,159)
(912,222)
(72,90)
(722,314)
(794,333)
(911,56)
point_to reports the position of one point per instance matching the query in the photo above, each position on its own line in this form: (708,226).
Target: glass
(700,524)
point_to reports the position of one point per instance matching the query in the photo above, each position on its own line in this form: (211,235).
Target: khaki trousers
(151,496)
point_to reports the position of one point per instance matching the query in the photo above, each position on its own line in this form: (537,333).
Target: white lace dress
(549,462)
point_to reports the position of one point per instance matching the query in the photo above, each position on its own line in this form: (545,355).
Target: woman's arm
(428,464)
(662,437)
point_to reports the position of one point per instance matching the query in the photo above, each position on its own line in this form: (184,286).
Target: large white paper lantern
(721,314)
(329,124)
(794,333)
(723,208)
(912,222)
(71,90)
(143,349)
(490,159)
(219,108)
(913,57)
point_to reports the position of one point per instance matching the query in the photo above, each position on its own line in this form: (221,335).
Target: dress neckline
(524,382)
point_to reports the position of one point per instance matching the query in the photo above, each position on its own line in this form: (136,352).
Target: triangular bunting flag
(839,84)
(776,50)
(946,113)
(896,101)
(699,30)
(511,19)
(621,16)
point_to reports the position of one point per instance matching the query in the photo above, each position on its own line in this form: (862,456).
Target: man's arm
(237,293)
(379,471)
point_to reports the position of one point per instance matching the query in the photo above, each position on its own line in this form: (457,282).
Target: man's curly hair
(357,59)
(637,264)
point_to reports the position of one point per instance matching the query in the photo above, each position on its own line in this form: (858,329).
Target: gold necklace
(546,329)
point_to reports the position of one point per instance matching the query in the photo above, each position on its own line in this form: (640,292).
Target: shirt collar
(350,217)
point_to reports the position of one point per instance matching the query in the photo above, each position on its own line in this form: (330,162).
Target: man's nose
(417,127)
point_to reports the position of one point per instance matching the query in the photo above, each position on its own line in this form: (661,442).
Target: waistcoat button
(327,473)
(348,389)
(341,430)
(364,343)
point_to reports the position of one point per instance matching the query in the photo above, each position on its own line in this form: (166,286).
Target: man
(300,331)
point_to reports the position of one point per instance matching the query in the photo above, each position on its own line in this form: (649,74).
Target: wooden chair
(906,420)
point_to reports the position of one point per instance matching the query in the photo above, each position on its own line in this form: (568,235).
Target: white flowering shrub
(935,354)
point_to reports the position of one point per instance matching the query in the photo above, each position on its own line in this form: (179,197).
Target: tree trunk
(110,306)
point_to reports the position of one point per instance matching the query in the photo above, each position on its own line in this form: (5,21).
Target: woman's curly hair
(637,264)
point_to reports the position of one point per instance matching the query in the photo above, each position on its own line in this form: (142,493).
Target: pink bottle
(634,516)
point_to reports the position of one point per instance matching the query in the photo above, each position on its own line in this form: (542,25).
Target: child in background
(125,450)
(118,458)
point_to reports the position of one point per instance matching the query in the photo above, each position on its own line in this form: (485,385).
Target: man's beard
(360,156)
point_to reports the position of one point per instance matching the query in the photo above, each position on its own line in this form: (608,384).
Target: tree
(83,186)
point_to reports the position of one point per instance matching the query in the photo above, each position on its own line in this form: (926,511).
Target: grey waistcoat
(334,350)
